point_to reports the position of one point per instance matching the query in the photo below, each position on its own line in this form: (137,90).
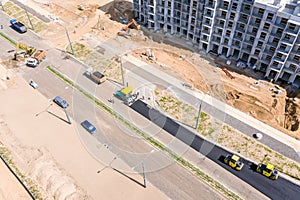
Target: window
(226,4)
(283,21)
(209,12)
(244,17)
(275,63)
(268,57)
(279,31)
(270,16)
(254,30)
(232,15)
(237,43)
(298,49)
(262,35)
(230,24)
(296,57)
(169,4)
(247,7)
(242,26)
(287,36)
(292,27)
(266,26)
(293,67)
(251,39)
(279,55)
(256,52)
(226,41)
(275,40)
(282,46)
(272,49)
(257,21)
(223,14)
(239,35)
(220,31)
(259,44)
(228,33)
(261,11)
(234,6)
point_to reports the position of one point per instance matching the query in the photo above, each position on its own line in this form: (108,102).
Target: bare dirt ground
(263,100)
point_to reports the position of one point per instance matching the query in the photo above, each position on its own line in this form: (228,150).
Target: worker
(1,26)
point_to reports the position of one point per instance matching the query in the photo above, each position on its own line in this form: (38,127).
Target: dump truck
(234,161)
(267,170)
(18,26)
(36,58)
(97,77)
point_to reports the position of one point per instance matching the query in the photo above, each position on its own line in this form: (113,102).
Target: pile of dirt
(119,9)
(53,182)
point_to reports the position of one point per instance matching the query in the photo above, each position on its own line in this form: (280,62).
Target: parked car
(18,26)
(88,126)
(33,84)
(61,102)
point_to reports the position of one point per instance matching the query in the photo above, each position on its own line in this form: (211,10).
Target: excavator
(125,30)
(28,50)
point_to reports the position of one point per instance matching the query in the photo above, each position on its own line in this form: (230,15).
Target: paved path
(272,138)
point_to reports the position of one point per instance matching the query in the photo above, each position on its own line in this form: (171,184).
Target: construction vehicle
(267,170)
(97,77)
(29,50)
(125,30)
(126,95)
(36,58)
(234,161)
(18,26)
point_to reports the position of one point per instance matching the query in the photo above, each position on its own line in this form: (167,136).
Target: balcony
(243,20)
(284,50)
(208,14)
(279,60)
(245,11)
(276,68)
(292,32)
(288,42)
(210,6)
(219,25)
(207,32)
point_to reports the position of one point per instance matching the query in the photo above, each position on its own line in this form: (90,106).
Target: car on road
(234,161)
(33,84)
(88,126)
(61,102)
(267,170)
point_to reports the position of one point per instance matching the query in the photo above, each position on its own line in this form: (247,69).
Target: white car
(33,84)
(32,62)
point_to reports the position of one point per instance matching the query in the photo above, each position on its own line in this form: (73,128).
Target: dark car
(88,126)
(59,101)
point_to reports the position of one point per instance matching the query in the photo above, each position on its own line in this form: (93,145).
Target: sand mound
(38,165)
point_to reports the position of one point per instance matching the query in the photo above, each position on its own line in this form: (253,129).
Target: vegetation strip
(217,185)
(8,38)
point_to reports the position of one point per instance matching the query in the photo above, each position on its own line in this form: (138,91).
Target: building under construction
(262,33)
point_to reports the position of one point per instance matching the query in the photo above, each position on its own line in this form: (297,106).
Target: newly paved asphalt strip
(246,129)
(278,189)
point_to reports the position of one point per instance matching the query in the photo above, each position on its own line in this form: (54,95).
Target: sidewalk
(280,137)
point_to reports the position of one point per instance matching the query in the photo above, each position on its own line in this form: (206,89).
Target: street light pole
(144,175)
(69,40)
(29,19)
(199,112)
(121,64)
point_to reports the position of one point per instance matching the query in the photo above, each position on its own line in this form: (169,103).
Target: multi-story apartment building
(264,33)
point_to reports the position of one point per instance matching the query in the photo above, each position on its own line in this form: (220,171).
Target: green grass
(8,38)
(217,185)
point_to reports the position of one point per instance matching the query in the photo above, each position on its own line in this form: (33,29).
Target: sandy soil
(10,188)
(62,168)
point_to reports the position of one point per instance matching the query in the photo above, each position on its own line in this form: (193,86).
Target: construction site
(112,22)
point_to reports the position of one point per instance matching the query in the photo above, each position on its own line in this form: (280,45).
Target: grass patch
(19,14)
(8,38)
(217,185)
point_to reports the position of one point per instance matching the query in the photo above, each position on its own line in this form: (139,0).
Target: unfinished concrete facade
(263,33)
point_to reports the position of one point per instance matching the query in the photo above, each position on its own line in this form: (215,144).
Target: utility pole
(29,19)
(144,175)
(199,115)
(2,5)
(69,40)
(121,64)
(68,117)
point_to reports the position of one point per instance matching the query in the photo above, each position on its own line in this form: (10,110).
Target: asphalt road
(279,189)
(214,112)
